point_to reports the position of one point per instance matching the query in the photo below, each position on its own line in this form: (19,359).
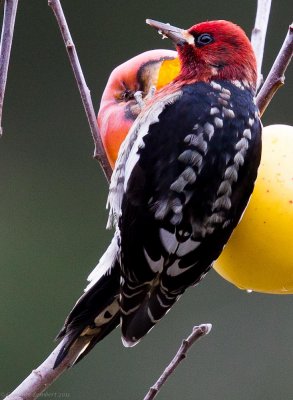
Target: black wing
(184,196)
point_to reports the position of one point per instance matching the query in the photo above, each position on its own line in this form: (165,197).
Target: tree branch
(197,333)
(99,152)
(258,36)
(9,15)
(42,377)
(276,78)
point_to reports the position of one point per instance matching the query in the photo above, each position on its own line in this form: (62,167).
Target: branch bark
(99,152)
(43,376)
(258,36)
(9,15)
(276,76)
(197,333)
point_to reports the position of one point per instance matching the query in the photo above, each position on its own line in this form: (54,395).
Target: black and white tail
(97,312)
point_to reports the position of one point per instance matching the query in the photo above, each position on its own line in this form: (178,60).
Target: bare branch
(276,77)
(84,91)
(197,333)
(258,36)
(45,375)
(9,15)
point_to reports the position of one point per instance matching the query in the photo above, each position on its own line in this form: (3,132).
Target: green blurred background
(52,213)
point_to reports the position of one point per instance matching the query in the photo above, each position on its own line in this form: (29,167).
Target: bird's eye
(203,39)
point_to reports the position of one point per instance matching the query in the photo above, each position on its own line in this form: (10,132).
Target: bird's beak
(177,35)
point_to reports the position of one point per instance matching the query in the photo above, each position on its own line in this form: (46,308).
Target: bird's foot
(142,101)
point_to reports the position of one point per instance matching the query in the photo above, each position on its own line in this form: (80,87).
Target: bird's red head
(212,50)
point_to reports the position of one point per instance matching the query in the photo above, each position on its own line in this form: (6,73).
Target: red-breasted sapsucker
(182,180)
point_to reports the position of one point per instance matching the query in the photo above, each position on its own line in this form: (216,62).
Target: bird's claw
(140,100)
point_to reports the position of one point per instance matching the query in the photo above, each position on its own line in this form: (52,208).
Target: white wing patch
(128,157)
(156,266)
(106,262)
(186,247)
(111,310)
(169,241)
(172,246)
(175,270)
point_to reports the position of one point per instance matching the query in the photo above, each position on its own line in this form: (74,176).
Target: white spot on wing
(168,240)
(224,189)
(247,134)
(186,247)
(222,202)
(238,84)
(250,121)
(218,122)
(191,157)
(242,144)
(162,208)
(179,184)
(228,113)
(215,85)
(175,270)
(215,219)
(227,91)
(155,266)
(214,110)
(239,159)
(223,102)
(112,309)
(209,129)
(231,173)
(189,175)
(176,219)
(225,96)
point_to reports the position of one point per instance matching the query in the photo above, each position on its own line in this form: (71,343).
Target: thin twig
(258,36)
(276,78)
(99,152)
(42,377)
(197,333)
(9,15)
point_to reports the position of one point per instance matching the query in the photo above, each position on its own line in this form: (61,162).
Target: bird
(119,106)
(182,180)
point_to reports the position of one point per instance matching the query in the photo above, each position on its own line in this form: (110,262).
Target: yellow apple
(259,254)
